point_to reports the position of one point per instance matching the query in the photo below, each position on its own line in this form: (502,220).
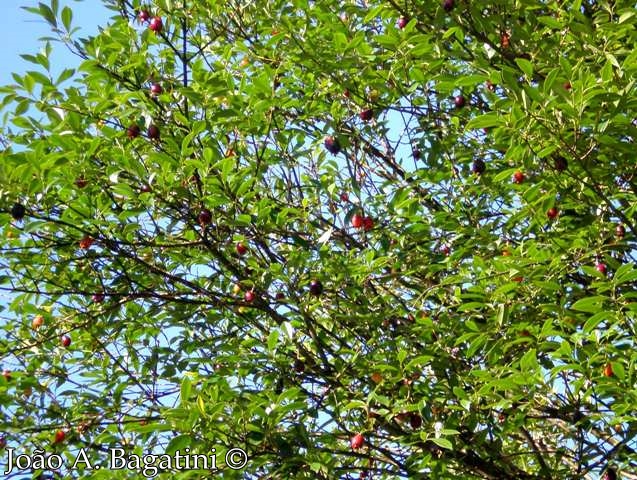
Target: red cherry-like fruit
(133,131)
(98,298)
(332,145)
(445,250)
(601,268)
(357,441)
(402,22)
(60,435)
(567,85)
(65,340)
(204,217)
(316,287)
(366,115)
(153,132)
(518,177)
(156,24)
(608,370)
(86,242)
(344,197)
(249,296)
(415,421)
(241,248)
(143,16)
(357,221)
(155,89)
(368,223)
(447,5)
(552,213)
(459,101)
(6,374)
(81,182)
(3,442)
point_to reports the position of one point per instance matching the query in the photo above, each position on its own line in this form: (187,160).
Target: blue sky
(20,30)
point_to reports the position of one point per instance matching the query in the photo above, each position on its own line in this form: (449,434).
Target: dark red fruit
(368,223)
(81,182)
(366,115)
(445,250)
(620,231)
(18,211)
(610,474)
(86,242)
(155,89)
(357,221)
(6,374)
(204,217)
(249,296)
(560,164)
(478,167)
(143,16)
(133,131)
(344,197)
(415,420)
(156,24)
(316,287)
(518,177)
(490,86)
(241,248)
(552,213)
(567,85)
(65,340)
(415,152)
(332,145)
(153,132)
(459,101)
(402,22)
(601,268)
(60,435)
(98,298)
(447,5)
(357,441)
(3,442)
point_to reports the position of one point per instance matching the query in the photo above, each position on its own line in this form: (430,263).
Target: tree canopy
(359,239)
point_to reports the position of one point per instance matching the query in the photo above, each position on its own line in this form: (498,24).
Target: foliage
(462,330)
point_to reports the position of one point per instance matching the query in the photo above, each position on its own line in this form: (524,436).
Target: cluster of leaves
(463,331)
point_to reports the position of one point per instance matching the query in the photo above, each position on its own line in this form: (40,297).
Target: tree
(354,240)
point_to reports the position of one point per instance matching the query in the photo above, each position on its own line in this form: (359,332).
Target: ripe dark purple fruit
(601,268)
(447,5)
(610,474)
(316,287)
(552,213)
(366,115)
(81,182)
(143,16)
(332,145)
(155,89)
(18,211)
(204,217)
(153,132)
(249,296)
(459,101)
(133,131)
(98,298)
(402,22)
(65,340)
(478,166)
(156,24)
(560,164)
